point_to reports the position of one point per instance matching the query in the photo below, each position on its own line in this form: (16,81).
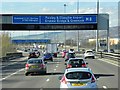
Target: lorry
(52,48)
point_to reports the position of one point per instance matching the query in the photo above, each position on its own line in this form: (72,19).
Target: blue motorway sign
(55,19)
(17,41)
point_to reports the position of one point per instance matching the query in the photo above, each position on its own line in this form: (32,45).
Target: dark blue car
(48,56)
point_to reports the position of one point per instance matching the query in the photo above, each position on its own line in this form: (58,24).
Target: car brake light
(69,66)
(93,80)
(63,80)
(83,65)
(27,66)
(42,65)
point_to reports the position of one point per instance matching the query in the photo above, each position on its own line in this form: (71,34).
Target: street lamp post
(78,30)
(65,30)
(97,32)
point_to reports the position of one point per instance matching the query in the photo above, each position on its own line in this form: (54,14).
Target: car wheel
(26,74)
(93,57)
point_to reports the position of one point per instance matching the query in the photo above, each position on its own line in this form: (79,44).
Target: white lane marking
(11,74)
(109,62)
(56,66)
(104,87)
(48,80)
(54,69)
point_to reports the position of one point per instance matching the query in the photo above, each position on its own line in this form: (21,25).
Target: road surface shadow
(103,75)
(52,73)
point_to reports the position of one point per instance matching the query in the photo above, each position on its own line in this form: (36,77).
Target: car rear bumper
(35,70)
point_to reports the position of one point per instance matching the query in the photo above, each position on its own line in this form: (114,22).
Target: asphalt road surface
(13,75)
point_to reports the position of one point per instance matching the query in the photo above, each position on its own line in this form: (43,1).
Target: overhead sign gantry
(50,22)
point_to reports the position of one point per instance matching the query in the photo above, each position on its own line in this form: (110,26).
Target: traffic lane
(10,62)
(108,73)
(53,80)
(19,80)
(13,68)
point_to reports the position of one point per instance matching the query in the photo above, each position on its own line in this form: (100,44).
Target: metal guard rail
(109,55)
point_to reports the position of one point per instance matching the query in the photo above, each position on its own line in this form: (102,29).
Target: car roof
(77,69)
(89,50)
(35,59)
(76,58)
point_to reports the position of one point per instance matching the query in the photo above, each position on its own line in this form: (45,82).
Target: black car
(32,55)
(76,63)
(69,55)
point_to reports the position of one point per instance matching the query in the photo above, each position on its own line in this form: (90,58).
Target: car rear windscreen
(89,52)
(34,61)
(76,61)
(78,75)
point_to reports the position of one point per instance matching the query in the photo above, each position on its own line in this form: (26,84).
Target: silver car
(78,78)
(35,65)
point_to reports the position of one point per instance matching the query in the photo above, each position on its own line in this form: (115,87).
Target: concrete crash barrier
(11,56)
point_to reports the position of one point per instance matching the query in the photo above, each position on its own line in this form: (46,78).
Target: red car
(64,53)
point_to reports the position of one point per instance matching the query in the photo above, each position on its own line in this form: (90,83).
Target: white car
(89,54)
(78,78)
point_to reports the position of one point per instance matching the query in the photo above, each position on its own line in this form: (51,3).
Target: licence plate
(34,66)
(78,84)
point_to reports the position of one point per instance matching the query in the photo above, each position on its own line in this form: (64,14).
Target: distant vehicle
(37,53)
(64,53)
(89,54)
(32,55)
(76,63)
(52,48)
(35,65)
(48,56)
(69,55)
(111,50)
(105,50)
(71,51)
(78,78)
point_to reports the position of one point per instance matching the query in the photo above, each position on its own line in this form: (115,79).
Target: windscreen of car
(76,61)
(35,62)
(78,75)
(71,55)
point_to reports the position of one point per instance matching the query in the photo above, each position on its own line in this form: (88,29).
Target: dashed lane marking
(104,87)
(48,80)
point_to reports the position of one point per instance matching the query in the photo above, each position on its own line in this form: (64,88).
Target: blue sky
(57,6)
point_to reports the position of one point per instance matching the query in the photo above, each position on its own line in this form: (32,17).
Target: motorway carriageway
(13,75)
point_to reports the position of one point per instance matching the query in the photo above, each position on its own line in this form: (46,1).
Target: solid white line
(104,87)
(56,66)
(54,69)
(11,74)
(48,80)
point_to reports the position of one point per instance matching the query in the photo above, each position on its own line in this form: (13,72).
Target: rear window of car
(89,51)
(78,75)
(35,62)
(76,61)
(71,55)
